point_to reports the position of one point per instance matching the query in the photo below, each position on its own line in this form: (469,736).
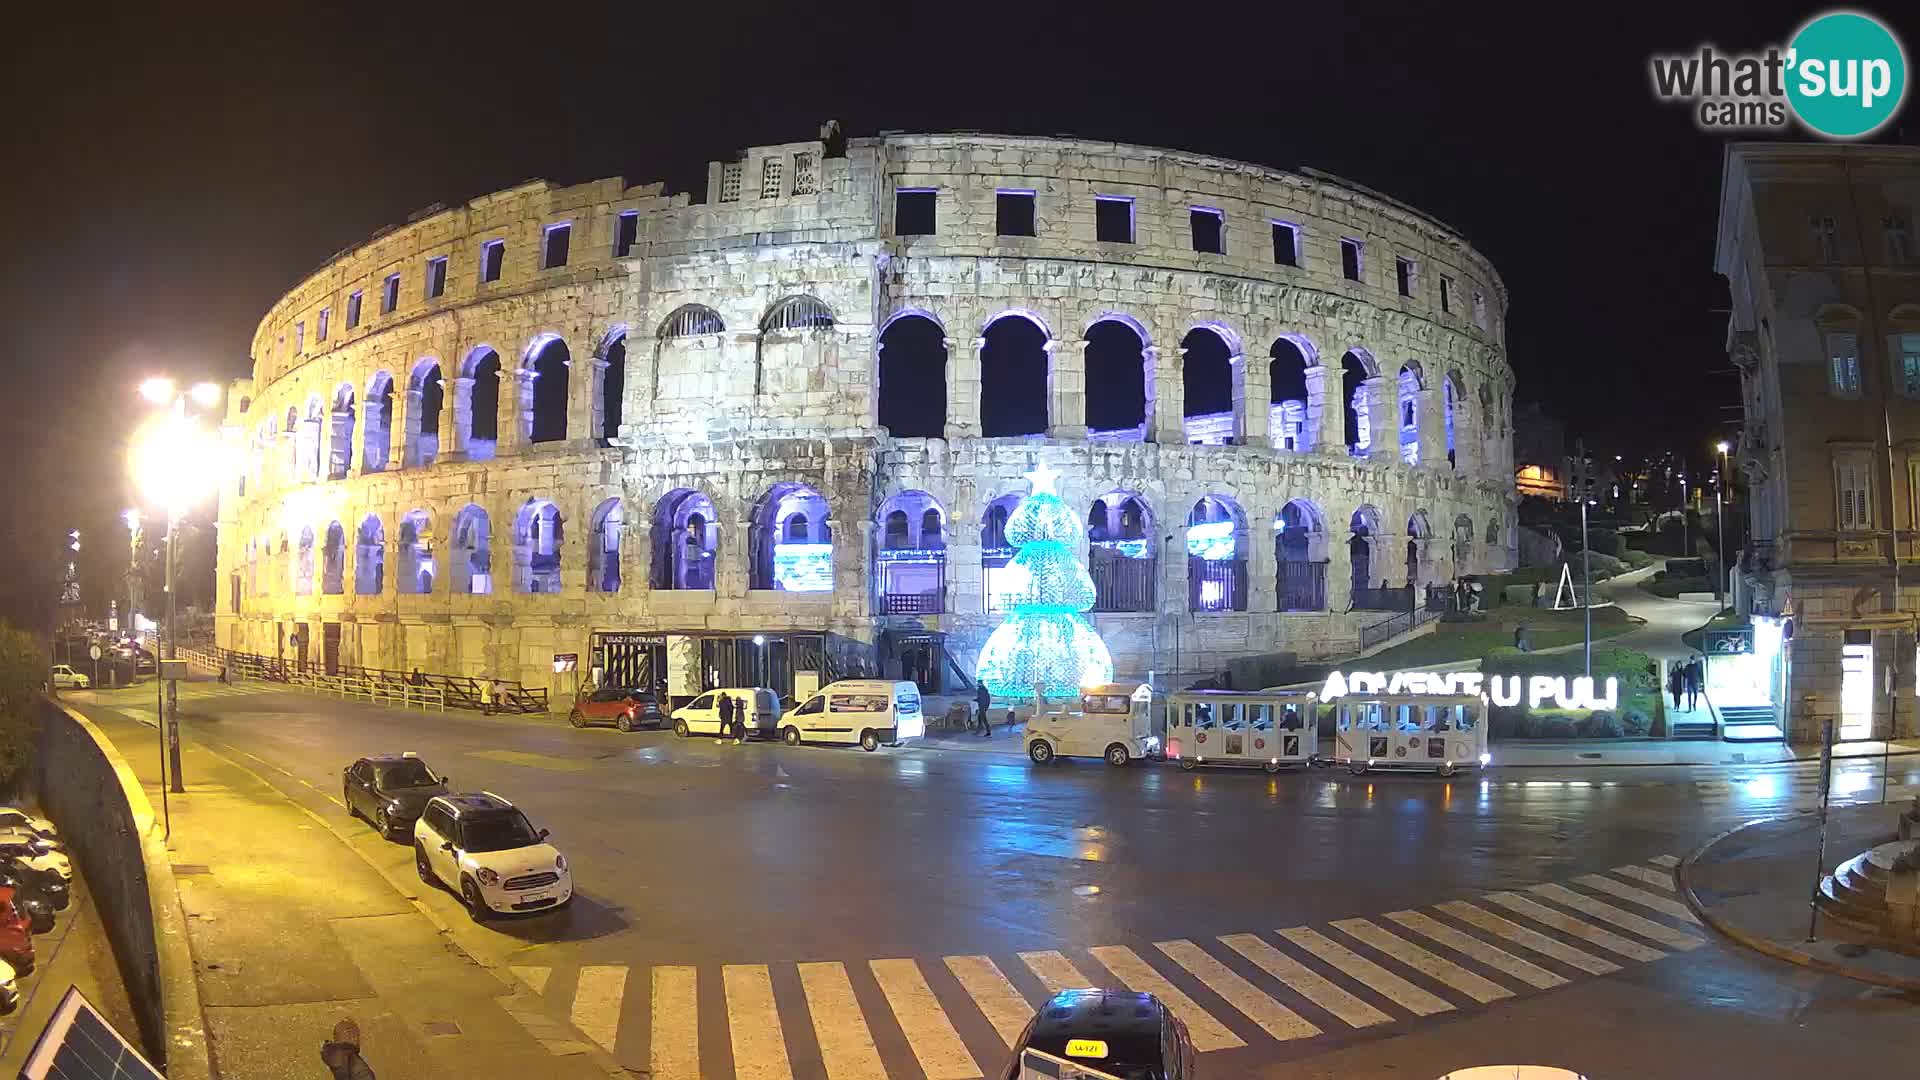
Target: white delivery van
(701,716)
(864,711)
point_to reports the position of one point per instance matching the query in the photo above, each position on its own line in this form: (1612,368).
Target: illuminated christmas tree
(1045,641)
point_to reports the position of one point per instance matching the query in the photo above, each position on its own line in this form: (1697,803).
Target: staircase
(1855,894)
(1693,727)
(1748,723)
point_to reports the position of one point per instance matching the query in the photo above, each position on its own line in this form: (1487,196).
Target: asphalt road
(724,889)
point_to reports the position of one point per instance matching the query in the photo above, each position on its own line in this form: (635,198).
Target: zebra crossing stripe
(1565,923)
(846,1044)
(1434,967)
(1650,877)
(596,1003)
(753,1024)
(534,977)
(994,994)
(1274,1018)
(1664,860)
(1305,981)
(1639,896)
(930,1035)
(1055,971)
(1626,920)
(1372,975)
(674,1050)
(1137,974)
(1498,959)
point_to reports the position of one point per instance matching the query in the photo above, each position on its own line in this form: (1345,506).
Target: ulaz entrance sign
(1503,690)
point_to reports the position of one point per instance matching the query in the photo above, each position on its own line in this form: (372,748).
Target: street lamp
(1720,520)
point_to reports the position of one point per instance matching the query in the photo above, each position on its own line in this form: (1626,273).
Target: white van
(701,716)
(864,711)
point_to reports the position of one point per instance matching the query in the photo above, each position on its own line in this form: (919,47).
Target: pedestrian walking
(982,700)
(486,697)
(739,720)
(1696,679)
(1535,601)
(341,1054)
(1677,681)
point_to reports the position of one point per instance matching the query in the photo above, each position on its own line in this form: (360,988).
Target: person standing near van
(724,708)
(982,700)
(739,720)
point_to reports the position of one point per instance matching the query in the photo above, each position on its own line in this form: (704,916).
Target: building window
(771,170)
(299,338)
(320,325)
(1826,245)
(1843,365)
(1113,219)
(390,294)
(493,255)
(1853,490)
(1480,310)
(730,182)
(803,178)
(1899,238)
(353,309)
(1209,229)
(1350,265)
(1013,213)
(553,253)
(1446,295)
(626,230)
(436,277)
(1286,244)
(913,211)
(1405,275)
(1910,366)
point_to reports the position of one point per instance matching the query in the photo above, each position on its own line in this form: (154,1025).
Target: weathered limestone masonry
(654,355)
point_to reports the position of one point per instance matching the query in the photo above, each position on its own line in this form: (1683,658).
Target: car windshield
(502,831)
(409,773)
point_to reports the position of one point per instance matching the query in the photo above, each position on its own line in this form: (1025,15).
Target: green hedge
(1637,716)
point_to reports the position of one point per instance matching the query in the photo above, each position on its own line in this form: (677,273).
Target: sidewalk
(1753,885)
(292,930)
(76,954)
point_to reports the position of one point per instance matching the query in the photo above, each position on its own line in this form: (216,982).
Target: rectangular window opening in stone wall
(771,175)
(390,294)
(299,338)
(1446,295)
(436,277)
(914,211)
(1209,230)
(1843,365)
(625,232)
(1013,213)
(321,324)
(353,309)
(1350,264)
(1286,244)
(730,182)
(553,253)
(1899,238)
(1853,491)
(493,256)
(1113,219)
(1404,275)
(804,182)
(1908,347)
(1480,310)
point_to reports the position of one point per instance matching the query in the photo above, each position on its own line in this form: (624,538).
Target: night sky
(169,177)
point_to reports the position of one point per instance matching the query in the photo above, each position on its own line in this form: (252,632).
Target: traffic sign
(95,652)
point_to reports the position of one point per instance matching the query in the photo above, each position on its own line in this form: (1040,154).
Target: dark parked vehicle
(390,790)
(1105,1034)
(620,706)
(16,935)
(32,882)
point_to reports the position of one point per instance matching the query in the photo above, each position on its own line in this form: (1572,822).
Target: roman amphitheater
(774,435)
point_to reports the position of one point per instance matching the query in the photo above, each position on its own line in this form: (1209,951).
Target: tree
(23,675)
(1046,641)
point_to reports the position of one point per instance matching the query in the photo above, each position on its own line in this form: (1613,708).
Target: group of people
(1688,680)
(733,718)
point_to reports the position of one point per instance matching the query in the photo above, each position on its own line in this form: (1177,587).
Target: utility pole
(1586,552)
(1720,519)
(173,653)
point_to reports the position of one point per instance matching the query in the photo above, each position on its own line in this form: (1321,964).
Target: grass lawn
(1472,640)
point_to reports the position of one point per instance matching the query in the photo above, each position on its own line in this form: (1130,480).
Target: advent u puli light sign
(1508,691)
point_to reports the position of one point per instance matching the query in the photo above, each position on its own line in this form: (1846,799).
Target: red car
(624,708)
(16,935)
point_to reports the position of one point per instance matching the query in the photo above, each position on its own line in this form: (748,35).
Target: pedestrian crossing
(957,1017)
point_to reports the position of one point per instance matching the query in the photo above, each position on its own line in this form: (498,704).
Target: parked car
(1103,1033)
(35,906)
(27,849)
(9,989)
(42,883)
(701,716)
(484,848)
(389,791)
(65,678)
(16,935)
(12,817)
(623,707)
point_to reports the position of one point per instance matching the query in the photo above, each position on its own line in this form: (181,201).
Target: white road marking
(1626,920)
(753,1024)
(1565,923)
(929,1033)
(1664,860)
(1305,981)
(1651,877)
(1274,1018)
(1055,971)
(1372,975)
(994,994)
(846,1044)
(674,1053)
(1498,959)
(596,1003)
(534,977)
(1515,934)
(1137,974)
(1433,967)
(1639,896)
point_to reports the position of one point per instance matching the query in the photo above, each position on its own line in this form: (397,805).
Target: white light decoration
(803,567)
(1046,642)
(1211,540)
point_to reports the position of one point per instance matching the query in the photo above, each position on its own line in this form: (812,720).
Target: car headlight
(488,877)
(1484,758)
(560,862)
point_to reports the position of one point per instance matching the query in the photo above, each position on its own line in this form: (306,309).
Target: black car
(1114,1034)
(27,881)
(390,790)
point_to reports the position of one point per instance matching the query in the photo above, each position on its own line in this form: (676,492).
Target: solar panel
(79,1044)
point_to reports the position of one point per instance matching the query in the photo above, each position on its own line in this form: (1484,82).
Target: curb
(1799,958)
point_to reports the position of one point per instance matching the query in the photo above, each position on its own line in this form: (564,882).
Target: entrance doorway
(632,661)
(330,647)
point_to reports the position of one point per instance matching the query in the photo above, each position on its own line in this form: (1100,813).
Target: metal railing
(421,689)
(1301,586)
(1123,584)
(1390,628)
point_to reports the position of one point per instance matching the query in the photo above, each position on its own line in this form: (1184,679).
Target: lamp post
(1720,523)
(1585,483)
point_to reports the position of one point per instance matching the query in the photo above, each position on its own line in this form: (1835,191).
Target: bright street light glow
(174,462)
(132,517)
(206,394)
(158,390)
(1723,447)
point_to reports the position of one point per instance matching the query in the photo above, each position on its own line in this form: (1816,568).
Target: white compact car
(65,678)
(12,817)
(482,847)
(23,847)
(701,716)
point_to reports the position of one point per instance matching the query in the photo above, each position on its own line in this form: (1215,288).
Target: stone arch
(1292,421)
(1016,375)
(340,432)
(999,579)
(691,320)
(376,437)
(1217,552)
(308,452)
(790,540)
(1364,534)
(608,525)
(610,384)
(1300,546)
(685,540)
(1209,374)
(426,393)
(476,404)
(684,374)
(1356,373)
(911,376)
(1419,553)
(1121,554)
(910,563)
(792,334)
(1453,400)
(546,368)
(797,312)
(301,566)
(1119,378)
(1410,385)
(1462,545)
(416,553)
(370,557)
(333,561)
(470,555)
(538,534)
